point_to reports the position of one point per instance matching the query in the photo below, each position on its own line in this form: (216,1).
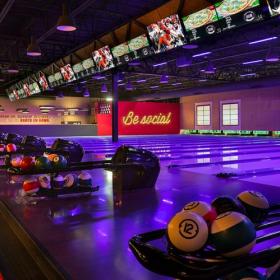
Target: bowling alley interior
(140,140)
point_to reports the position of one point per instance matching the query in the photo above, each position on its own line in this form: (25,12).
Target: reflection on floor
(89,237)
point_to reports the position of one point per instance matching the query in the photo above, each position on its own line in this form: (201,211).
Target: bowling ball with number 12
(187,231)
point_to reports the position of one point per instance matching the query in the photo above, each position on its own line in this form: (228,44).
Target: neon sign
(160,119)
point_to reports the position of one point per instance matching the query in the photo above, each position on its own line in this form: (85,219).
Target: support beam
(6,9)
(115,108)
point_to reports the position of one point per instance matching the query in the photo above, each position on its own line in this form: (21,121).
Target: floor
(88,237)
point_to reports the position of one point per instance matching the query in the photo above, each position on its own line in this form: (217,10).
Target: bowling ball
(203,209)
(10,148)
(45,181)
(225,203)
(16,160)
(58,182)
(256,205)
(233,234)
(85,179)
(51,156)
(187,231)
(27,163)
(2,148)
(70,180)
(42,163)
(31,186)
(59,162)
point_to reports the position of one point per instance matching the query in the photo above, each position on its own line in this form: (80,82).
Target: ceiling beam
(6,9)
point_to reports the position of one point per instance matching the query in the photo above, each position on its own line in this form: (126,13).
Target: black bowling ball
(224,204)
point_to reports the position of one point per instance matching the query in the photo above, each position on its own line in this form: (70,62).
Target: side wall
(260,108)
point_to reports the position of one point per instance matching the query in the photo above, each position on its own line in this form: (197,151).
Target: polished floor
(88,237)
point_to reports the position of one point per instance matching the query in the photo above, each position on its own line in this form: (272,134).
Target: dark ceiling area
(237,62)
(21,19)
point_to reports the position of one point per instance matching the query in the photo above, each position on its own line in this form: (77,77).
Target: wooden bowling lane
(20,255)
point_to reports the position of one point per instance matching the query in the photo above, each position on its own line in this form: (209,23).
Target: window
(203,115)
(230,114)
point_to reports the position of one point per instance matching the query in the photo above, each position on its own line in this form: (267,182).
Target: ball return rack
(206,264)
(132,169)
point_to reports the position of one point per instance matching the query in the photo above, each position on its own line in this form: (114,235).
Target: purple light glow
(167,201)
(176,84)
(248,75)
(202,54)
(152,87)
(263,40)
(66,28)
(191,46)
(141,81)
(252,62)
(159,64)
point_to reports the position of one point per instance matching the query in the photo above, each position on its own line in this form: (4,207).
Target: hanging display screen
(26,89)
(34,88)
(43,81)
(235,13)
(202,24)
(67,73)
(273,7)
(167,34)
(103,59)
(121,53)
(140,46)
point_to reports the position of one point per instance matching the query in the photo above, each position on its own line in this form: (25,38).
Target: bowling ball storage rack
(206,264)
(132,169)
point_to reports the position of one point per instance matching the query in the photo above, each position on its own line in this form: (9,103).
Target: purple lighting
(263,40)
(252,62)
(248,75)
(141,81)
(177,84)
(164,79)
(104,88)
(159,64)
(202,54)
(152,87)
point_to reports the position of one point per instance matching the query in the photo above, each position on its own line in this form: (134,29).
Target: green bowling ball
(59,162)
(42,163)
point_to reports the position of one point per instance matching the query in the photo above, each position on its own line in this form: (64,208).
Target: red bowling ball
(27,163)
(10,148)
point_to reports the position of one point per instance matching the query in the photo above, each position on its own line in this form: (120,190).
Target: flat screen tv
(26,89)
(235,13)
(34,88)
(273,7)
(140,46)
(167,34)
(68,74)
(103,59)
(202,24)
(43,81)
(121,53)
(51,80)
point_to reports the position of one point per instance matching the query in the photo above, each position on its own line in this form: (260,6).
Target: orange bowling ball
(11,148)
(52,156)
(27,163)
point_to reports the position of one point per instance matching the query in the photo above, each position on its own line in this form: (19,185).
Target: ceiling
(228,50)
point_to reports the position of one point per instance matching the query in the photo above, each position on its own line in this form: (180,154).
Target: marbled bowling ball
(256,205)
(187,231)
(42,163)
(203,209)
(233,234)
(44,181)
(223,204)
(59,162)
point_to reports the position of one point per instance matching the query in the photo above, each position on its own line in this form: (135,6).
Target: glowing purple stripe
(201,54)
(160,64)
(252,62)
(263,40)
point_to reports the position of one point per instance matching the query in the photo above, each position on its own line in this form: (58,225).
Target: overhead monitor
(103,59)
(67,73)
(235,13)
(167,34)
(202,24)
